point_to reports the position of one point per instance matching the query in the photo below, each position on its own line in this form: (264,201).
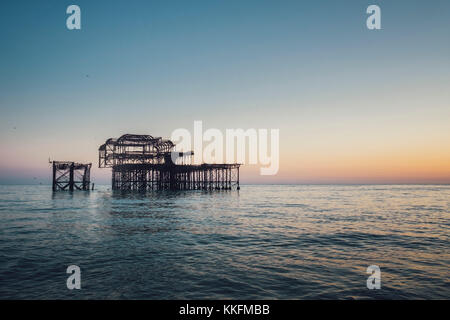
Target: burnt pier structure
(144,162)
(71,176)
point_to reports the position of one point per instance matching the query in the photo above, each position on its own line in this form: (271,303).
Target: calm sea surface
(274,242)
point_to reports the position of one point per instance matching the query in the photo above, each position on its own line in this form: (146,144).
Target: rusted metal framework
(71,175)
(143,162)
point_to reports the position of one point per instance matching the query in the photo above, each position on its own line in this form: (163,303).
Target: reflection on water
(283,242)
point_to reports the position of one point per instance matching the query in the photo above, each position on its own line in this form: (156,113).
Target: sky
(353,105)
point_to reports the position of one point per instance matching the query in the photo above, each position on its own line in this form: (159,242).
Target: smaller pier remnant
(71,176)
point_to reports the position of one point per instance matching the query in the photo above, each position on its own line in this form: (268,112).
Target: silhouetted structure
(143,162)
(71,175)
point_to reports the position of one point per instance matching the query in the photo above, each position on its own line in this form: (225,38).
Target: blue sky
(310,68)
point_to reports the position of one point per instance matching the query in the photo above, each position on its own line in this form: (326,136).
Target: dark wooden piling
(68,175)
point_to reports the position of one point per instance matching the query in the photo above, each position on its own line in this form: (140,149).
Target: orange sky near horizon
(391,164)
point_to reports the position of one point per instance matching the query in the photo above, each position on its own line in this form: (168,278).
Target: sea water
(262,242)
